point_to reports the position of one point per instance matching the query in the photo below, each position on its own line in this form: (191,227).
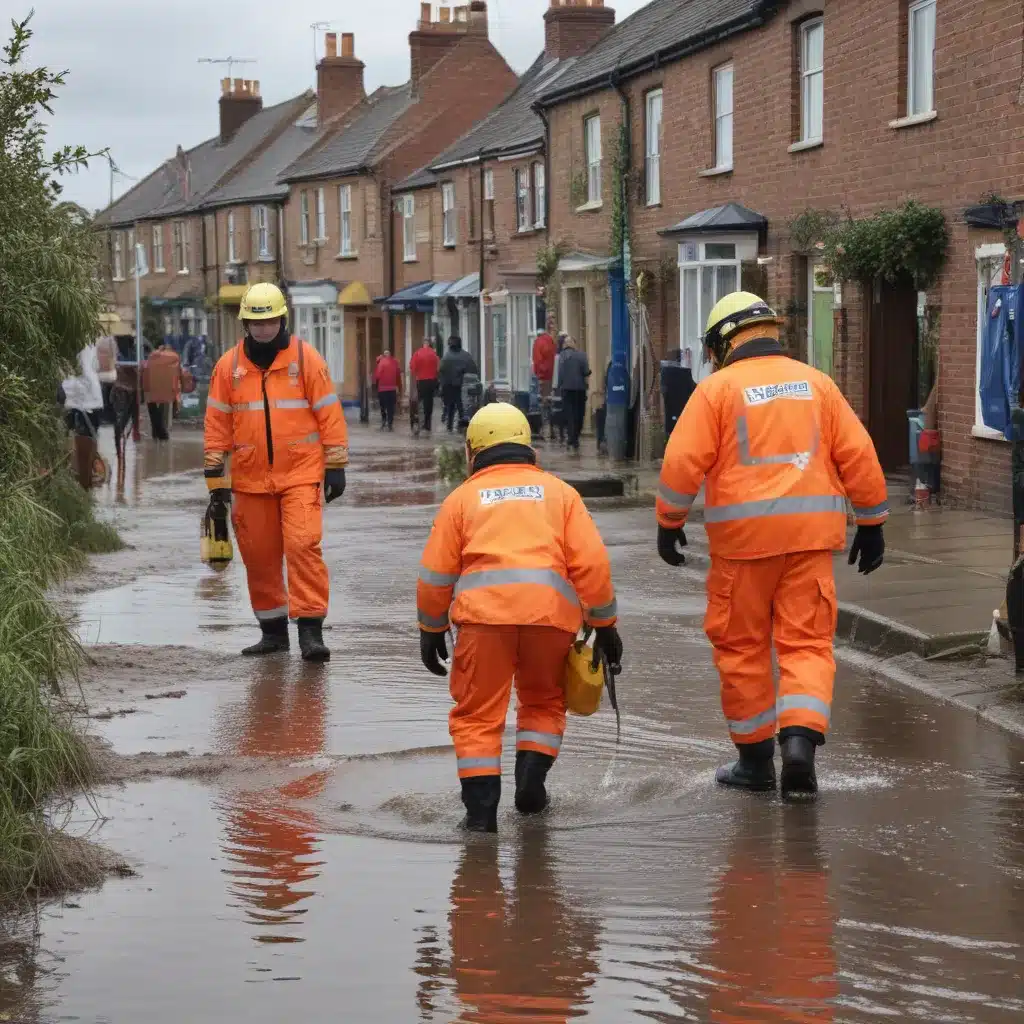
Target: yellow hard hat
(735,310)
(497,423)
(263,302)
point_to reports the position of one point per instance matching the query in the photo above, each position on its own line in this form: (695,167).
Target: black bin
(677,385)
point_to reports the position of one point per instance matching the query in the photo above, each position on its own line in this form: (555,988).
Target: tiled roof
(350,143)
(731,217)
(161,194)
(664,28)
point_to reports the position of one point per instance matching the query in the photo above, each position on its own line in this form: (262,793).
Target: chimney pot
(426,15)
(239,100)
(446,15)
(237,85)
(331,44)
(348,44)
(225,87)
(256,87)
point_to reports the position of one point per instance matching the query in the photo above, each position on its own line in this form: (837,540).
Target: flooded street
(293,827)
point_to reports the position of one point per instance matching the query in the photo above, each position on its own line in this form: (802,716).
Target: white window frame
(180,243)
(812,82)
(118,256)
(723,117)
(489,184)
(521,182)
(345,220)
(304,217)
(448,224)
(989,262)
(157,247)
(539,194)
(920,106)
(232,247)
(653,122)
(321,217)
(592,151)
(263,232)
(409,228)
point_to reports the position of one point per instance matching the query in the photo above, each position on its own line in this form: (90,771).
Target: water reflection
(271,843)
(523,952)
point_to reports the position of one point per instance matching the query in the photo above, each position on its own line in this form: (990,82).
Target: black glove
(869,546)
(217,513)
(609,643)
(434,650)
(334,484)
(669,542)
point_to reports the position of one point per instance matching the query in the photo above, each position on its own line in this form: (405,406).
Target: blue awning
(412,299)
(439,289)
(467,287)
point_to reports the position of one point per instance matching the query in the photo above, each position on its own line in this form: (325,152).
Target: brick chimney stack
(432,39)
(571,27)
(339,77)
(239,100)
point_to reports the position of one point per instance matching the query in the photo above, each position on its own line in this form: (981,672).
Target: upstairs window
(448,213)
(232,247)
(812,80)
(409,228)
(722,79)
(180,243)
(592,145)
(921,58)
(321,216)
(489,202)
(345,206)
(158,248)
(304,218)
(118,256)
(522,185)
(653,155)
(539,195)
(132,255)
(261,232)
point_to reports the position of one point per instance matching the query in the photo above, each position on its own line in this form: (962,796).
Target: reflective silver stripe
(875,512)
(313,438)
(674,498)
(745,726)
(438,579)
(248,407)
(804,702)
(775,507)
(432,621)
(606,611)
(504,577)
(549,739)
(273,613)
(478,762)
(325,401)
(290,403)
(219,406)
(800,459)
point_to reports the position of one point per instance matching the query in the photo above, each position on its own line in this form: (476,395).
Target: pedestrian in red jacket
(387,375)
(544,353)
(424,367)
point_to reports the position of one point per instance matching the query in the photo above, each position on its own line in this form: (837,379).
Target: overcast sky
(134,85)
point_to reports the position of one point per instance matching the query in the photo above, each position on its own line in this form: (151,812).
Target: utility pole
(230,61)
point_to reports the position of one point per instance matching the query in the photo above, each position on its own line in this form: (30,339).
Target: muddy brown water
(317,874)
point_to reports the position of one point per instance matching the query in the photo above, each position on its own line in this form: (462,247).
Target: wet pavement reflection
(332,883)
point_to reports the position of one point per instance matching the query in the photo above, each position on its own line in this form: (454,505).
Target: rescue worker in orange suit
(512,557)
(273,408)
(781,451)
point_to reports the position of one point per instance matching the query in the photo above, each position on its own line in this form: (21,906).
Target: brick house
(337,223)
(740,117)
(471,224)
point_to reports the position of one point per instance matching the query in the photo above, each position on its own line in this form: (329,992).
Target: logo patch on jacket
(760,394)
(494,495)
(293,374)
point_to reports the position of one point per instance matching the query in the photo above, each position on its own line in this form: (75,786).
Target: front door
(820,319)
(891,370)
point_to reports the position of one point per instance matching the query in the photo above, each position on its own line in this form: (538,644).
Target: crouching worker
(512,557)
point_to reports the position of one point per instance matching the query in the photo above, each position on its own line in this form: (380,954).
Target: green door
(820,325)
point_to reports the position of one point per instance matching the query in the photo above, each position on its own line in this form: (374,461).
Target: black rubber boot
(481,796)
(799,780)
(755,770)
(311,640)
(532,769)
(274,639)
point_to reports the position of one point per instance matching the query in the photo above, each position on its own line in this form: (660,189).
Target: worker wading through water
(512,557)
(781,451)
(273,409)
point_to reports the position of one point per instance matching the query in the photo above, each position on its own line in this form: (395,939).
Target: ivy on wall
(621,229)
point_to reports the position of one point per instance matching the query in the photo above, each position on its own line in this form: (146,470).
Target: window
(304,218)
(539,196)
(409,228)
(132,255)
(654,105)
(592,142)
(448,212)
(723,117)
(989,260)
(921,58)
(321,216)
(812,79)
(522,185)
(118,256)
(489,202)
(522,330)
(158,248)
(232,248)
(489,185)
(262,233)
(345,216)
(180,242)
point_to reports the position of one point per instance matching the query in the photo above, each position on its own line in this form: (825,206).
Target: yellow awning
(355,294)
(109,318)
(232,294)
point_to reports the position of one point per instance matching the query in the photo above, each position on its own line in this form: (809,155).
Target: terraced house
(716,125)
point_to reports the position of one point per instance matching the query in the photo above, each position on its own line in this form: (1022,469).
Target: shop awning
(232,294)
(720,219)
(355,294)
(439,289)
(412,299)
(467,287)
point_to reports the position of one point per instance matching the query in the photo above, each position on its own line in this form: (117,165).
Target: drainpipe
(216,263)
(542,113)
(480,298)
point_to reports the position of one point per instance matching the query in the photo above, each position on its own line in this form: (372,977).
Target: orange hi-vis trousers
(486,660)
(276,528)
(788,599)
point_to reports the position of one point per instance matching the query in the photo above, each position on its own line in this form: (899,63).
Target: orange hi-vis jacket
(276,425)
(515,546)
(781,450)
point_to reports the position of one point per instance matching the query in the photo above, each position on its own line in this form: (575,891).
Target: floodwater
(315,871)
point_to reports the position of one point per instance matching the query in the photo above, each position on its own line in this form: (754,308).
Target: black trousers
(158,413)
(388,401)
(452,404)
(574,404)
(126,411)
(426,389)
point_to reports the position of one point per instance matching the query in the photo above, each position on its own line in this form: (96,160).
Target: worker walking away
(424,367)
(387,376)
(512,557)
(454,367)
(273,408)
(781,451)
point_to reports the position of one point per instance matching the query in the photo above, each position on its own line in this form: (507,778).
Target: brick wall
(973,146)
